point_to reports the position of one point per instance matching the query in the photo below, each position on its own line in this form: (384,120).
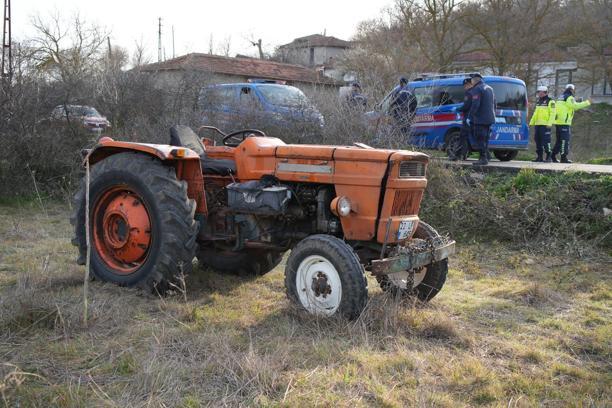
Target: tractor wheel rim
(121,230)
(318,285)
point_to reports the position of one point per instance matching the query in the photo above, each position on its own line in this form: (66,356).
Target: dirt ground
(509,329)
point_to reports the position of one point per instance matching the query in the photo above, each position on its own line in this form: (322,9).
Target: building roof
(317,40)
(241,66)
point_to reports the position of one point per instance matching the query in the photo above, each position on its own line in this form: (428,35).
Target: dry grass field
(509,329)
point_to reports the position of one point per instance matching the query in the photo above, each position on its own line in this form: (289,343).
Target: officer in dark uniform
(403,107)
(481,116)
(356,98)
(465,132)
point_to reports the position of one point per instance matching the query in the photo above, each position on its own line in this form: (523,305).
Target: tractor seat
(183,136)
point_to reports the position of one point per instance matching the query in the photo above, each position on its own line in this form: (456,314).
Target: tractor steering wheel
(240,135)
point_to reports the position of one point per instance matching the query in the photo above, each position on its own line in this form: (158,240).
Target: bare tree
(258,45)
(67,49)
(436,27)
(225,46)
(592,37)
(380,55)
(511,32)
(139,56)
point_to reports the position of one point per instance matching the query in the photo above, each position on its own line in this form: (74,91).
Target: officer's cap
(542,88)
(403,79)
(476,75)
(466,81)
(570,86)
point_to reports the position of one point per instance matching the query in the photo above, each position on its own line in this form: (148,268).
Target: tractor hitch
(414,256)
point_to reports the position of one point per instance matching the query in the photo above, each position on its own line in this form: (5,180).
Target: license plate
(405,228)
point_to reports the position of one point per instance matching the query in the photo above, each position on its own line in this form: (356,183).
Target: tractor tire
(505,155)
(246,263)
(142,227)
(324,277)
(427,281)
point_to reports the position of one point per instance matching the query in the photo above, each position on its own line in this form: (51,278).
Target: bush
(562,210)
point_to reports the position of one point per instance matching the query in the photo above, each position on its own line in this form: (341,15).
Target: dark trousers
(481,136)
(542,140)
(464,136)
(562,140)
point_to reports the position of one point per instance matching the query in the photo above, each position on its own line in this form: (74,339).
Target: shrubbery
(563,211)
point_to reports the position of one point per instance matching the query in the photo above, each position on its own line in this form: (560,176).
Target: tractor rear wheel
(426,281)
(142,227)
(324,276)
(246,263)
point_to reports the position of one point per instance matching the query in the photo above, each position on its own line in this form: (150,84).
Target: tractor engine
(266,214)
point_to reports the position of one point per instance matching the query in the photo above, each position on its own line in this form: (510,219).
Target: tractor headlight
(341,206)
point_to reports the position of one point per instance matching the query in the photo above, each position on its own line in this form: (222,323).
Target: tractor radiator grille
(410,169)
(406,202)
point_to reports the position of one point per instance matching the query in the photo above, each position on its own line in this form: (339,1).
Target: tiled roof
(317,40)
(248,67)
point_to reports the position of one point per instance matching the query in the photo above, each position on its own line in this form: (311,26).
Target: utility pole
(110,52)
(7,56)
(159,42)
(173,55)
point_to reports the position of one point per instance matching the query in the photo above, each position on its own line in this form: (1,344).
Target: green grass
(507,327)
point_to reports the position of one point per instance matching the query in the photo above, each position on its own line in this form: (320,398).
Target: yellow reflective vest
(566,107)
(544,113)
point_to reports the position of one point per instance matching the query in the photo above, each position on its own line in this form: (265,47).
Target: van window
(509,95)
(429,96)
(281,95)
(221,95)
(247,100)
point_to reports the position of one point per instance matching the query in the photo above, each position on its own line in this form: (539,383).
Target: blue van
(271,107)
(437,122)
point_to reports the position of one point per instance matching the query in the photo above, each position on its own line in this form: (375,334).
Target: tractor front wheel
(324,276)
(426,282)
(142,227)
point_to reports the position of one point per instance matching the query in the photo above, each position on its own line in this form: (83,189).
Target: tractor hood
(355,165)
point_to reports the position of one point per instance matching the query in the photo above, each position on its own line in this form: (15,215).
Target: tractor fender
(185,161)
(107,147)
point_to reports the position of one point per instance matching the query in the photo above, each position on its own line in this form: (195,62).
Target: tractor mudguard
(184,160)
(107,147)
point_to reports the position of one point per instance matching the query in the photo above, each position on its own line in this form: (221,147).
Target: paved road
(515,165)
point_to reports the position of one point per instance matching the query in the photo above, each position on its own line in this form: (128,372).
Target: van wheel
(324,277)
(505,155)
(453,145)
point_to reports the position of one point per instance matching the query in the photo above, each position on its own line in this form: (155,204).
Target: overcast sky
(275,22)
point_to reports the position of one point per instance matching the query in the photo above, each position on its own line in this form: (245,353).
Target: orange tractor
(238,207)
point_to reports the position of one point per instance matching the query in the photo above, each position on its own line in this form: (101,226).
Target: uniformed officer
(465,132)
(403,107)
(356,98)
(481,116)
(565,108)
(542,120)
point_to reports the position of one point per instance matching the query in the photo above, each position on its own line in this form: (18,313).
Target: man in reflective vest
(481,116)
(565,108)
(542,120)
